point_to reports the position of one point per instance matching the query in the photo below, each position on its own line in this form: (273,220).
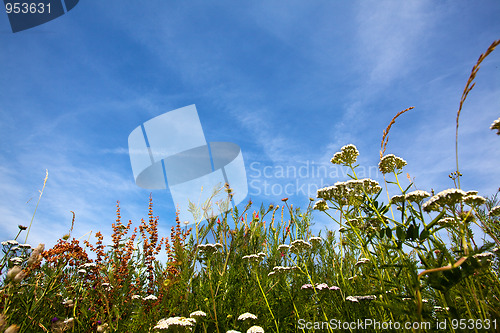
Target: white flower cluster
(496,126)
(283,247)
(495,211)
(362,261)
(315,240)
(299,245)
(320,286)
(68,302)
(356,299)
(255,329)
(150,298)
(247,315)
(255,258)
(450,198)
(83,268)
(390,163)
(321,205)
(446,221)
(102,328)
(441,309)
(278,270)
(350,191)
(209,248)
(398,198)
(354,222)
(10,242)
(417,196)
(167,323)
(347,155)
(89,265)
(197,314)
(107,286)
(17,261)
(474,200)
(484,258)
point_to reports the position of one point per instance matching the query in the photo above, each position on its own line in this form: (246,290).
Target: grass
(412,260)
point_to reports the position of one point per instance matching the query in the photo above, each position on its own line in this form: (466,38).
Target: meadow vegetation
(412,257)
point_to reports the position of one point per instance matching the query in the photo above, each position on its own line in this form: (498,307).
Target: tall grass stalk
(36,207)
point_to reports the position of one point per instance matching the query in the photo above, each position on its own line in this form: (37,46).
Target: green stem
(267,303)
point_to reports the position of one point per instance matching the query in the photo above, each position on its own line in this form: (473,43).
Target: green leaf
(400,233)
(433,222)
(415,231)
(424,234)
(410,232)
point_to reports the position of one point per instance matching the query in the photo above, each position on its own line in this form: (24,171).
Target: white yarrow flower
(315,240)
(16,260)
(283,247)
(474,200)
(150,298)
(255,329)
(417,196)
(347,155)
(390,163)
(247,315)
(322,286)
(175,322)
(495,211)
(197,314)
(362,261)
(299,245)
(448,197)
(321,205)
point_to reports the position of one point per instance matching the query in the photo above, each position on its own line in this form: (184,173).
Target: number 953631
(27,8)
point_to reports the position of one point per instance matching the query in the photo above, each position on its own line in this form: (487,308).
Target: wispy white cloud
(392,37)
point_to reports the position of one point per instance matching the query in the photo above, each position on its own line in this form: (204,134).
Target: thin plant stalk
(36,207)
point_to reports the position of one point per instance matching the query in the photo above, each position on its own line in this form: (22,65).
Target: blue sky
(290,82)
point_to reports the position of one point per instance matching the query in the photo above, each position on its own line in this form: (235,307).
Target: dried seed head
(12,329)
(11,274)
